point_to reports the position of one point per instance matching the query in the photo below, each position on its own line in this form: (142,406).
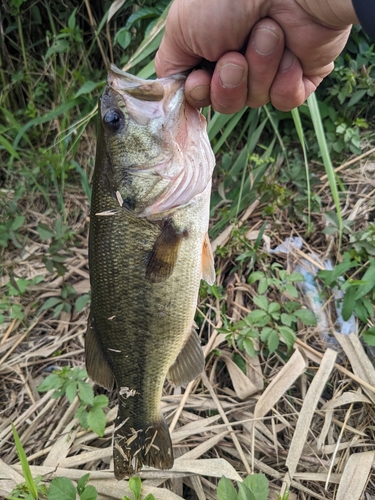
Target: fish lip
(147,90)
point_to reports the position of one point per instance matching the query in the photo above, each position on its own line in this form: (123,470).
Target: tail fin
(133,448)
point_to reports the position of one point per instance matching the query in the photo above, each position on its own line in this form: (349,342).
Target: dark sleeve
(365,10)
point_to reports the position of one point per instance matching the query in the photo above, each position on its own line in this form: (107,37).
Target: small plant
(253,487)
(271,319)
(71,383)
(135,485)
(58,237)
(10,305)
(64,302)
(61,488)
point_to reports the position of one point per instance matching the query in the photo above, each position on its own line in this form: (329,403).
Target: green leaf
(71,391)
(87,87)
(82,416)
(369,336)
(58,46)
(256,316)
(96,420)
(45,232)
(81,483)
(273,308)
(82,302)
(135,484)
(273,341)
(61,488)
(30,483)
(263,285)
(249,346)
(85,392)
(53,381)
(226,490)
(261,301)
(258,485)
(291,290)
(100,401)
(244,493)
(306,316)
(256,276)
(143,13)
(287,319)
(295,277)
(369,279)
(348,302)
(18,222)
(288,335)
(150,496)
(89,493)
(123,38)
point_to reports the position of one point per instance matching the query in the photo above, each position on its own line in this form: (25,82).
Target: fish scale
(145,271)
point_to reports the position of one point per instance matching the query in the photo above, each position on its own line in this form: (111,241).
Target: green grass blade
(318,127)
(150,43)
(299,128)
(29,480)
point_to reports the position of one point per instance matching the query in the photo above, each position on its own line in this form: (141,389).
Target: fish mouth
(144,90)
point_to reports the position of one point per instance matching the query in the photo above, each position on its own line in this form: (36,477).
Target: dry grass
(305,420)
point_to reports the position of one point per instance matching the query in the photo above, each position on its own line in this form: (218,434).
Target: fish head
(156,142)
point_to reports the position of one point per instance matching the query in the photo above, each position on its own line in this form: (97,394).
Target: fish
(148,251)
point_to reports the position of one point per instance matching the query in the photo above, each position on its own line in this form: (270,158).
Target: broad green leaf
(61,488)
(53,381)
(273,308)
(89,493)
(295,277)
(96,420)
(143,13)
(100,401)
(291,290)
(369,279)
(82,416)
(58,46)
(288,335)
(71,391)
(256,276)
(45,232)
(135,484)
(257,316)
(150,496)
(226,490)
(287,319)
(249,347)
(244,493)
(51,302)
(306,316)
(123,38)
(82,302)
(369,336)
(261,301)
(273,341)
(85,392)
(18,222)
(81,483)
(263,285)
(258,485)
(348,302)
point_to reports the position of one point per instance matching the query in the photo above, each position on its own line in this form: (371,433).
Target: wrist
(331,13)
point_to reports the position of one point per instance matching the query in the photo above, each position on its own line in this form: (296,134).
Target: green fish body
(148,250)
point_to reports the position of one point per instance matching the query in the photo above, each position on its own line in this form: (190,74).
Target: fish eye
(114,119)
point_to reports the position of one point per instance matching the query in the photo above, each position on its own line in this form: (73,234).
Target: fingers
(263,54)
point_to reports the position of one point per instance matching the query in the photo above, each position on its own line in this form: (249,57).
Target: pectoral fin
(208,265)
(189,363)
(164,253)
(97,366)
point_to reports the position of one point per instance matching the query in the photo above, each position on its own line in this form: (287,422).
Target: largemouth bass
(148,250)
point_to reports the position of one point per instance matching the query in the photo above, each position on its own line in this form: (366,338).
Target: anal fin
(97,366)
(189,363)
(208,264)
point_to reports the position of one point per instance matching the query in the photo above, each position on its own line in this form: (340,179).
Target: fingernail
(287,61)
(231,75)
(200,93)
(265,41)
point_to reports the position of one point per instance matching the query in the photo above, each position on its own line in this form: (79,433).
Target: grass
(303,416)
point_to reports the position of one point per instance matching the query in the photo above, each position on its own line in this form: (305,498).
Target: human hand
(290,46)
